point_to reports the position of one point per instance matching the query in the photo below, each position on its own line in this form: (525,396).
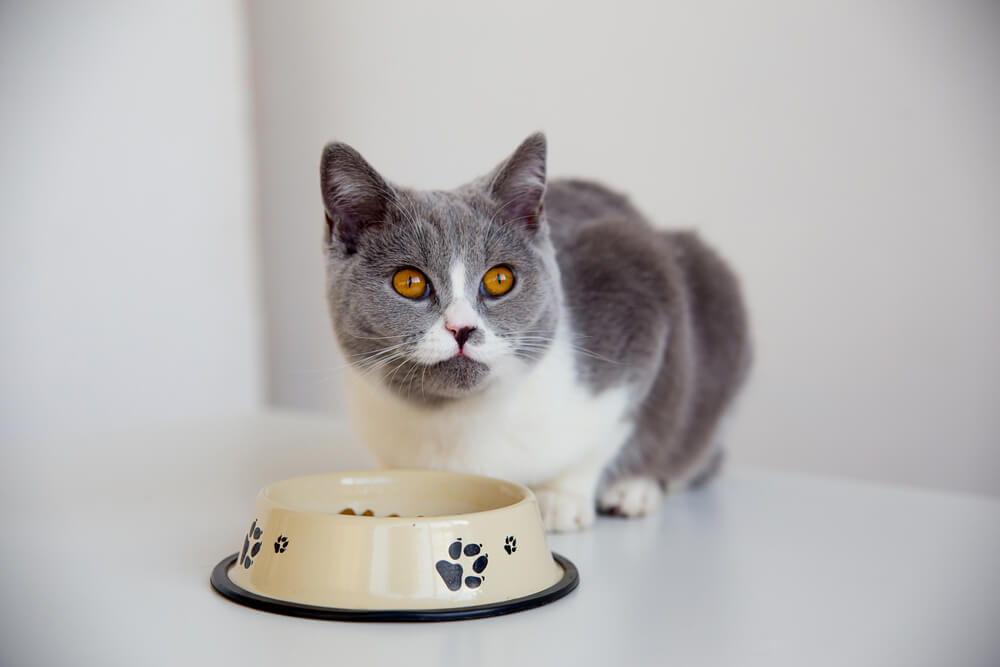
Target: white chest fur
(531,424)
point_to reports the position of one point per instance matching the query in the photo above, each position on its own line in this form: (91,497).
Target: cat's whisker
(538,345)
(382,349)
(526,356)
(415,376)
(374,362)
(392,373)
(543,332)
(411,372)
(379,356)
(378,359)
(370,367)
(353,360)
(386,348)
(379,337)
(594,355)
(333,371)
(382,364)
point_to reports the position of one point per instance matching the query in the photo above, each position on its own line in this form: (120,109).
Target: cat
(542,332)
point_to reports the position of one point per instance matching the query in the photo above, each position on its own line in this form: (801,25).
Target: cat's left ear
(518,184)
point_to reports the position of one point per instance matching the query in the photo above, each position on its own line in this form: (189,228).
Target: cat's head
(435,294)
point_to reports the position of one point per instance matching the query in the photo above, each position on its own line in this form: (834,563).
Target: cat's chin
(459,376)
(446,380)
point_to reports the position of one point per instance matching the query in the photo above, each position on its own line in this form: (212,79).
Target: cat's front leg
(631,496)
(567,501)
(565,510)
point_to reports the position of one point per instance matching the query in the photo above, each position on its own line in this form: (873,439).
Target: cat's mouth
(461,363)
(458,376)
(452,378)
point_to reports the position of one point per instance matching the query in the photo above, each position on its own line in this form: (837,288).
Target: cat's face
(435,294)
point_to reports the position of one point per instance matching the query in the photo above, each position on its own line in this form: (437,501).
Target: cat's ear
(518,184)
(355,196)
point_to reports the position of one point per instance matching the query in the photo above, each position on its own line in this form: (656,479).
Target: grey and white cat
(543,333)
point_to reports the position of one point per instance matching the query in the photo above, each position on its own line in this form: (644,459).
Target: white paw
(564,511)
(631,496)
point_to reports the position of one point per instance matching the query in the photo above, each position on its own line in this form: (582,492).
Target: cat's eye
(497,281)
(411,283)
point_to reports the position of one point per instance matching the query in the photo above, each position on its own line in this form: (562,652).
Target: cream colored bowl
(394,545)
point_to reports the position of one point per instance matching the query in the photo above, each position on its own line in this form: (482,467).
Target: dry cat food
(350,512)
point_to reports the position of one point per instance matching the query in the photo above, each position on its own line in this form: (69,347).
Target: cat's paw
(565,511)
(631,496)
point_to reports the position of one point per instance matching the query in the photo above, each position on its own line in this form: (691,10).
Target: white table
(107,552)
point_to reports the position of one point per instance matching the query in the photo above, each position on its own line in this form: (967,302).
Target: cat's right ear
(518,184)
(355,196)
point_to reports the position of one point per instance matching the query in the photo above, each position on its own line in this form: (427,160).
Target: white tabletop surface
(107,551)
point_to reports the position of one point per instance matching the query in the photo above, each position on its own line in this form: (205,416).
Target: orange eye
(498,281)
(411,283)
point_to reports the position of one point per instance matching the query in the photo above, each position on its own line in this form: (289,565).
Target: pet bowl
(401,545)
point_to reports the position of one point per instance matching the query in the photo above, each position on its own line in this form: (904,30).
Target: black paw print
(248,553)
(280,544)
(451,573)
(510,545)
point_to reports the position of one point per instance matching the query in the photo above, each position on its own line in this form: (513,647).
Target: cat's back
(592,225)
(571,204)
(625,282)
(616,279)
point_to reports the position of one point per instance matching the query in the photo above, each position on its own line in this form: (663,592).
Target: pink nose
(461,334)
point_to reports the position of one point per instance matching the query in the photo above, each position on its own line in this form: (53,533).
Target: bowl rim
(527,496)
(225,587)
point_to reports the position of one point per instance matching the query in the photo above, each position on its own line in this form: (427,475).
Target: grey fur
(656,311)
(667,307)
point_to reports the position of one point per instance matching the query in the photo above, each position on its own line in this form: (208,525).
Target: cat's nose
(461,334)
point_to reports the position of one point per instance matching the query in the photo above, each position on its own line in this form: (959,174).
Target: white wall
(844,156)
(127,253)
